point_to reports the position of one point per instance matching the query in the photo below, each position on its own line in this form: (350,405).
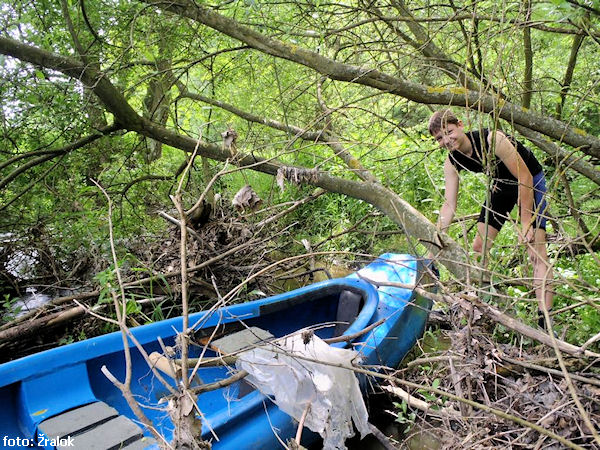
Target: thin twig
(220,384)
(301,424)
(124,387)
(550,371)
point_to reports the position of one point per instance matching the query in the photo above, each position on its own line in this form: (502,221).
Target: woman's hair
(440,119)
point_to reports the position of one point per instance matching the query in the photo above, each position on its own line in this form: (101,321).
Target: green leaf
(133,307)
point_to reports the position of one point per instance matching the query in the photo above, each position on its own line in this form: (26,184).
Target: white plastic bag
(279,370)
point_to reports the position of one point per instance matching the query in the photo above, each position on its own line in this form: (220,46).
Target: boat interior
(72,396)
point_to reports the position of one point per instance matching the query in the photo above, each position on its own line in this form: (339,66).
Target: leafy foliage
(158,59)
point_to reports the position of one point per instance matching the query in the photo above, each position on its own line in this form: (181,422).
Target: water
(30,301)
(21,265)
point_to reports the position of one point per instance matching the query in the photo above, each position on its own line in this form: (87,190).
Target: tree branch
(373,78)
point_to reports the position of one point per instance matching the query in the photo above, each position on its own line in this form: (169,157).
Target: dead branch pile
(525,383)
(220,236)
(222,253)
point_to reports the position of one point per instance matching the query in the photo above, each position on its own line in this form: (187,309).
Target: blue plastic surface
(48,383)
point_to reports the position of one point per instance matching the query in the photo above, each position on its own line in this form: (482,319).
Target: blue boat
(60,398)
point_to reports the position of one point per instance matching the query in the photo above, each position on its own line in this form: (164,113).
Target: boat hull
(47,385)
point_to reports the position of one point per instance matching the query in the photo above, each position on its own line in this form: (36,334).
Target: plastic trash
(283,370)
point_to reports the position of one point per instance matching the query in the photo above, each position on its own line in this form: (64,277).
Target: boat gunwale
(28,367)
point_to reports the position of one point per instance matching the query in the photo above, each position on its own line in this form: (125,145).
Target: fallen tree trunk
(48,321)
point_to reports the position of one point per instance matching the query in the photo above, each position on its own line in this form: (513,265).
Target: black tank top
(499,171)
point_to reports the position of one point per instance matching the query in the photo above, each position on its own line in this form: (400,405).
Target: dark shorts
(504,198)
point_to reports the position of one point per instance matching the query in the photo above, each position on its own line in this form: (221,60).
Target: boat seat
(240,340)
(94,426)
(236,342)
(349,306)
